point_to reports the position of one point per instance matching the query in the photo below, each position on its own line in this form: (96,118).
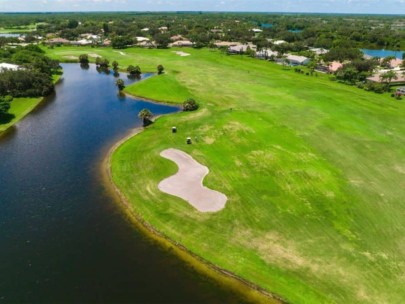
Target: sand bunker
(94,55)
(71,57)
(121,53)
(187,183)
(182,54)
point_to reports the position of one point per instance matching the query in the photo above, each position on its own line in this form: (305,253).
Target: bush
(190,105)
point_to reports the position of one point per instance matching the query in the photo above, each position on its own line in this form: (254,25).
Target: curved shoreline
(243,287)
(40,102)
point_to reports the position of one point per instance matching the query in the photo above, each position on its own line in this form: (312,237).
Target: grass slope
(313,170)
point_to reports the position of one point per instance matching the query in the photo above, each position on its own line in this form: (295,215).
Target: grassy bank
(19,108)
(313,171)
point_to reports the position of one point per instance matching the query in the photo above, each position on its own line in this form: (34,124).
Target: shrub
(190,105)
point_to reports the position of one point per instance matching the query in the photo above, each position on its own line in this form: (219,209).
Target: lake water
(382,53)
(62,237)
(10,35)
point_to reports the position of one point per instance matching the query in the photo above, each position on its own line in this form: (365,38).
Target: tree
(84,59)
(120,84)
(387,77)
(134,70)
(5,104)
(115,65)
(190,105)
(146,117)
(160,69)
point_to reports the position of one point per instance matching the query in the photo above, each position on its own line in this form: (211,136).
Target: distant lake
(267,25)
(8,35)
(382,53)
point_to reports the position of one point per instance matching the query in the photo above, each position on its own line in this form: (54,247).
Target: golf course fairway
(313,170)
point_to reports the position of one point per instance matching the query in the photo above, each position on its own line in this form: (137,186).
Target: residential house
(297,60)
(266,54)
(182,43)
(8,66)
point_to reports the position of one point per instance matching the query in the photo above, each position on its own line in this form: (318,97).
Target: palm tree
(115,65)
(120,84)
(146,116)
(387,77)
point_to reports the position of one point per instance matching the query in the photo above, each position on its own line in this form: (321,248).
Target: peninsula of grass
(19,108)
(313,170)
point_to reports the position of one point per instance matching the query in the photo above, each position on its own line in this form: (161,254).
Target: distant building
(241,48)
(177,38)
(146,29)
(182,43)
(319,51)
(256,30)
(146,44)
(334,66)
(82,42)
(141,39)
(278,42)
(163,28)
(297,60)
(58,41)
(377,78)
(225,43)
(394,63)
(9,66)
(266,54)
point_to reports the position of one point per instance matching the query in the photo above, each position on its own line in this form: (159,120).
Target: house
(319,51)
(297,60)
(182,43)
(58,41)
(266,54)
(334,66)
(141,39)
(8,66)
(146,29)
(82,42)
(177,38)
(241,48)
(257,31)
(163,28)
(278,42)
(393,63)
(147,44)
(106,42)
(225,44)
(377,78)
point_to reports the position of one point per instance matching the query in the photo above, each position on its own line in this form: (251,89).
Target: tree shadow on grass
(6,118)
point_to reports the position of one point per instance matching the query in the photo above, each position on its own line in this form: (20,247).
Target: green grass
(314,172)
(19,108)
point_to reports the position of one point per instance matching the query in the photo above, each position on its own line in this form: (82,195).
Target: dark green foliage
(160,69)
(134,70)
(25,83)
(341,54)
(5,104)
(84,59)
(190,105)
(146,116)
(162,40)
(120,84)
(121,42)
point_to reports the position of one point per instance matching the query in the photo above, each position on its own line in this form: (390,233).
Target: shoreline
(237,284)
(40,101)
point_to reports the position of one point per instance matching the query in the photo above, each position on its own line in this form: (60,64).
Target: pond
(383,53)
(63,238)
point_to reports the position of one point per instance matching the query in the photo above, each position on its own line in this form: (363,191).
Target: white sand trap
(182,54)
(121,53)
(94,55)
(187,183)
(71,57)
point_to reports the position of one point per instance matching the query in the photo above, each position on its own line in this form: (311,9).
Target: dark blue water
(267,25)
(383,53)
(62,238)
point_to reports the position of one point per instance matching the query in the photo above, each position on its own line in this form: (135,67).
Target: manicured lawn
(314,172)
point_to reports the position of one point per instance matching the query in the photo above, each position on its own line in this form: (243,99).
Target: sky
(305,6)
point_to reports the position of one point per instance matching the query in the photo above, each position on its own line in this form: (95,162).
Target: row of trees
(34,76)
